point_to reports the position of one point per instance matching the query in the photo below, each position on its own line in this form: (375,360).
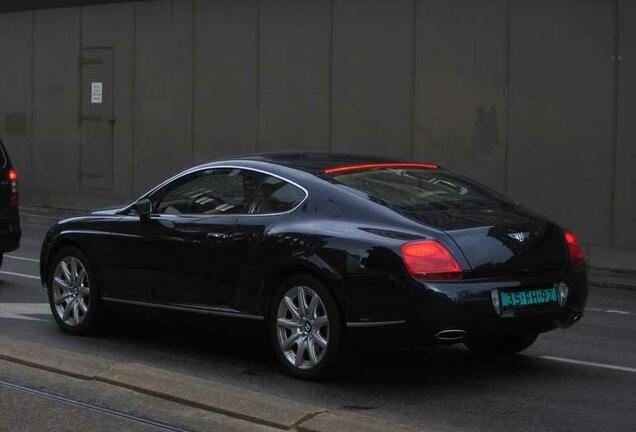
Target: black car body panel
(231,264)
(10,231)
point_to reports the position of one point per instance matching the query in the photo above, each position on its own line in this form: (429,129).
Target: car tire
(73,292)
(1,259)
(314,332)
(502,345)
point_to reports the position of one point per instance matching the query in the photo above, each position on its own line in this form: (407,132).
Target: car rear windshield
(417,189)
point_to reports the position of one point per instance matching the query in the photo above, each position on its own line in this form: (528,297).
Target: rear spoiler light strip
(378,165)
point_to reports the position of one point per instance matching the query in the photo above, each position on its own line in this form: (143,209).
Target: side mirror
(143,208)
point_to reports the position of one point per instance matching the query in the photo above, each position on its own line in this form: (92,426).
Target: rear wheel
(501,345)
(73,294)
(305,327)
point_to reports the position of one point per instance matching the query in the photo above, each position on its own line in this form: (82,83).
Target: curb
(342,421)
(612,285)
(52,359)
(220,398)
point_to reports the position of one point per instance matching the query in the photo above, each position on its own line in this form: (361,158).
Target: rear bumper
(466,308)
(10,235)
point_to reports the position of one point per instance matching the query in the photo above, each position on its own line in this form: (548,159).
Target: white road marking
(612,311)
(618,312)
(23,311)
(36,225)
(19,275)
(22,258)
(39,216)
(593,364)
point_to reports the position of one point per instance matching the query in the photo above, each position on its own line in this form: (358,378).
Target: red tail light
(574,248)
(429,259)
(361,167)
(14,198)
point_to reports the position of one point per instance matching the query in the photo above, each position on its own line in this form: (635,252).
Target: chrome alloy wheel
(302,326)
(71,291)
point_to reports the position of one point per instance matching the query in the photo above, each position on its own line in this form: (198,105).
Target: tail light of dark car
(429,259)
(14,198)
(574,249)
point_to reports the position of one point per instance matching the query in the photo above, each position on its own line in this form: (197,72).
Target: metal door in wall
(97,119)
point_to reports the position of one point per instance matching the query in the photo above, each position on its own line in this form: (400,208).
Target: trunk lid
(502,240)
(496,236)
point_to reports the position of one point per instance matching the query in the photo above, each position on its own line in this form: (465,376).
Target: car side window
(208,192)
(275,195)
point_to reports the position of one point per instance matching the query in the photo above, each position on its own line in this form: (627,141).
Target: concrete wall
(533,97)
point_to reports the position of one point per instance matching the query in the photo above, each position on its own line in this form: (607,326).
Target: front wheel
(72,290)
(305,327)
(501,345)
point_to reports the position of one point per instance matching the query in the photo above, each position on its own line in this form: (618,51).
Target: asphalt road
(580,379)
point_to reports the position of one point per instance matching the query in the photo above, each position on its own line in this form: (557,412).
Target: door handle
(217,236)
(111,120)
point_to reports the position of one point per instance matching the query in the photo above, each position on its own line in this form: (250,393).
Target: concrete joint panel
(460,84)
(163,90)
(624,233)
(56,134)
(225,78)
(561,112)
(295,49)
(373,76)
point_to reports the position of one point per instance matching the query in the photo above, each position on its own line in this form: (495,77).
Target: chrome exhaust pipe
(451,335)
(569,320)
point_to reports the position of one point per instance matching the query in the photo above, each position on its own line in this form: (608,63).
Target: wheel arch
(316,268)
(58,245)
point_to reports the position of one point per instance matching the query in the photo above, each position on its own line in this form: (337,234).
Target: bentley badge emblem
(519,236)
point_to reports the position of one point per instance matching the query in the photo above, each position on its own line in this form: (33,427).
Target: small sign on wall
(96,92)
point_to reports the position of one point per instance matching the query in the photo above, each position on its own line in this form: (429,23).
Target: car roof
(314,162)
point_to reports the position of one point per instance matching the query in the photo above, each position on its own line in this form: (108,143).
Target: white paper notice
(96,92)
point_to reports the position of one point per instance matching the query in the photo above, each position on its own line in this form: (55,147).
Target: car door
(182,254)
(163,258)
(196,240)
(128,261)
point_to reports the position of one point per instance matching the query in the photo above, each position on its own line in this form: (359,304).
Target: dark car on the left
(10,231)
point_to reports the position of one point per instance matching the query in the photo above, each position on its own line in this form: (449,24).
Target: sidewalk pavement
(234,402)
(603,278)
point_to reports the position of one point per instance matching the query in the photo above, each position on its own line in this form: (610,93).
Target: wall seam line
(258,74)
(413,82)
(79,102)
(331,73)
(32,153)
(506,171)
(134,104)
(615,109)
(193,91)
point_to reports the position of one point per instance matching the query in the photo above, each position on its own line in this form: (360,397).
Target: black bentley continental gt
(325,250)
